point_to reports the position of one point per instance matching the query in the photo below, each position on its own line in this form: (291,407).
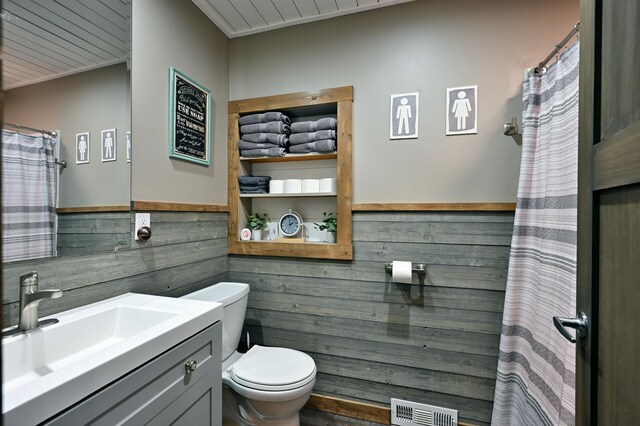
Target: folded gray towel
(327,123)
(255,191)
(275,138)
(253,145)
(271,127)
(264,118)
(253,180)
(327,145)
(252,187)
(271,152)
(298,138)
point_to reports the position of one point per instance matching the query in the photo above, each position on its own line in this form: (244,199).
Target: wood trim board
(312,97)
(92,209)
(472,207)
(177,207)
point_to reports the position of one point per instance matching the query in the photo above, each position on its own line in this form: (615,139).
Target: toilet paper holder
(418,268)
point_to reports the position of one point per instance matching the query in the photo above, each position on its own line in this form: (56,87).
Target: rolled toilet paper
(293,186)
(276,186)
(328,185)
(401,272)
(310,186)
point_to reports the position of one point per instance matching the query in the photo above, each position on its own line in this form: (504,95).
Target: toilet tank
(233,297)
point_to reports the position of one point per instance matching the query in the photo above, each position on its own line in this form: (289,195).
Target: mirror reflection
(67,101)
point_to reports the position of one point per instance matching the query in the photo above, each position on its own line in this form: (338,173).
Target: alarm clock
(290,223)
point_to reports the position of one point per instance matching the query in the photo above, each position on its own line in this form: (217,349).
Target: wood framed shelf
(302,194)
(336,102)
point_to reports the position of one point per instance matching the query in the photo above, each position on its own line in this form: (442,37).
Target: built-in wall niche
(304,106)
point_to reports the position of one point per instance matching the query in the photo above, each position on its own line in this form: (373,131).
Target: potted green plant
(329,224)
(256,222)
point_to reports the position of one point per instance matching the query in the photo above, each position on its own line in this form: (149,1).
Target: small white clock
(290,223)
(245,234)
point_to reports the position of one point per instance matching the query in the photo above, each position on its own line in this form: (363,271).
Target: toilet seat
(273,369)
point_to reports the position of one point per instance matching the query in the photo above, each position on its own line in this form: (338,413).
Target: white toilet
(265,386)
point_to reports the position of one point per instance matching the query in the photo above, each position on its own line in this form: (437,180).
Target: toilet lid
(273,369)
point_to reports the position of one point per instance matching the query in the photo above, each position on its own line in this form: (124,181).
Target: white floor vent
(412,413)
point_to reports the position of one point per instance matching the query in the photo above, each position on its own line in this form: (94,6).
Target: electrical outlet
(142,219)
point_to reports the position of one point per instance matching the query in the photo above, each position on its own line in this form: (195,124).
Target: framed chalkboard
(189,119)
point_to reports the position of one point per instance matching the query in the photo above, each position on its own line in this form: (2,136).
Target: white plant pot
(256,234)
(331,236)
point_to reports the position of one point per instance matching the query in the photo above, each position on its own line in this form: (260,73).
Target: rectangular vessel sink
(48,369)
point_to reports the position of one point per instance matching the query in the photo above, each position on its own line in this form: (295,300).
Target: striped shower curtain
(28,196)
(536,367)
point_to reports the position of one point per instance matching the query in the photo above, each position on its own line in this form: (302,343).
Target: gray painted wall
(423,46)
(168,33)
(86,102)
(187,251)
(373,339)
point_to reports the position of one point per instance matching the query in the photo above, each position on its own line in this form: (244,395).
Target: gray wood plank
(167,233)
(487,278)
(78,271)
(390,353)
(491,234)
(433,254)
(427,380)
(309,417)
(401,334)
(173,282)
(481,300)
(445,318)
(471,410)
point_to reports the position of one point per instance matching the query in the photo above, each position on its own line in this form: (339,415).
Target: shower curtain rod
(51,133)
(540,67)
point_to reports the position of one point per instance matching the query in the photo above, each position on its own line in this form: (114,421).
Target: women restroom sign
(462,110)
(404,116)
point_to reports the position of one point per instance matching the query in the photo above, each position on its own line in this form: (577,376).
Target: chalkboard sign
(189,119)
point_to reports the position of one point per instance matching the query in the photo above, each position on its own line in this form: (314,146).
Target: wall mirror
(66,68)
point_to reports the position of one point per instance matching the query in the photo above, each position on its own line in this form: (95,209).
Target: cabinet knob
(190,366)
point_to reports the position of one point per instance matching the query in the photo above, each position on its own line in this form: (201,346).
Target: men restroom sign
(189,112)
(462,110)
(404,116)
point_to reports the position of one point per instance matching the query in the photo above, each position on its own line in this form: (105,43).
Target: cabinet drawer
(139,396)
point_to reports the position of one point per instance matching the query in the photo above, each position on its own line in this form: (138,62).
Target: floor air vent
(412,413)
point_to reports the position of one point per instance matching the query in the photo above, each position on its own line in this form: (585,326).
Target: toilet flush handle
(190,366)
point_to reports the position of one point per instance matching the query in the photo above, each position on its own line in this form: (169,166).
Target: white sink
(48,369)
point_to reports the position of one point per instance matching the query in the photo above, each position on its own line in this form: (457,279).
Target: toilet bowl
(266,385)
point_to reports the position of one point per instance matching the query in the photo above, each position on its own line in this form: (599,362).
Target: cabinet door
(139,396)
(201,405)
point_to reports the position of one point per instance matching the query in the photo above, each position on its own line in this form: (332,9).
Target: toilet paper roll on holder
(418,268)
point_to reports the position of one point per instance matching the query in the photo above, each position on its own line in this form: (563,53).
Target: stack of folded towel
(254,184)
(313,136)
(264,135)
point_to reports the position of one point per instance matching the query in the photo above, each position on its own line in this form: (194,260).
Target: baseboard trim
(345,407)
(354,409)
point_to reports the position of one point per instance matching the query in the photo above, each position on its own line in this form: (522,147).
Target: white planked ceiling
(46,39)
(243,17)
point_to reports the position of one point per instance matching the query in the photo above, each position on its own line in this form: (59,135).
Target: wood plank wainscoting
(187,251)
(372,339)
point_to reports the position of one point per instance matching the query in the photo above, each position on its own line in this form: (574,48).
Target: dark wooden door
(608,360)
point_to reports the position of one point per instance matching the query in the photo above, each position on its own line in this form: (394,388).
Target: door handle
(580,324)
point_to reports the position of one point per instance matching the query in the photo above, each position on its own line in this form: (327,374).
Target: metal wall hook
(511,128)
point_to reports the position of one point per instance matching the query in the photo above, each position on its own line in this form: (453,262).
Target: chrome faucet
(30,297)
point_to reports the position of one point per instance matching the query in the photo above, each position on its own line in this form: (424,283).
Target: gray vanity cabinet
(161,392)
